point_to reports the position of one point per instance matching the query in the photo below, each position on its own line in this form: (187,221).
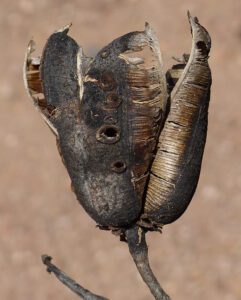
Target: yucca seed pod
(107,114)
(176,167)
(134,160)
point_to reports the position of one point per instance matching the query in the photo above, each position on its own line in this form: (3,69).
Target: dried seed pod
(107,115)
(134,162)
(176,167)
(107,118)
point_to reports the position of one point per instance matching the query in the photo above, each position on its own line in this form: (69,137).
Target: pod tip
(64,29)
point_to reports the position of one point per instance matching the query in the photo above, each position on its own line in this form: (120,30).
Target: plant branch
(69,282)
(139,251)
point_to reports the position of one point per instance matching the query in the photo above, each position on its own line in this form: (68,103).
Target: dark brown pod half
(109,154)
(176,167)
(107,116)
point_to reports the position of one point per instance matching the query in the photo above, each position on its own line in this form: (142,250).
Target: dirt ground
(198,256)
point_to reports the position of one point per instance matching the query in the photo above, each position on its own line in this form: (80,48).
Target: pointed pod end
(192,20)
(200,35)
(65,29)
(149,31)
(188,14)
(151,35)
(31,47)
(147,26)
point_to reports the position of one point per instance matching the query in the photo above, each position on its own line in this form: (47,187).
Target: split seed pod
(131,137)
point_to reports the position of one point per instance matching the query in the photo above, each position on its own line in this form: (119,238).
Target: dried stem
(139,251)
(138,248)
(69,282)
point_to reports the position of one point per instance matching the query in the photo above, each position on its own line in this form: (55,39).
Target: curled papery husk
(107,115)
(176,167)
(33,84)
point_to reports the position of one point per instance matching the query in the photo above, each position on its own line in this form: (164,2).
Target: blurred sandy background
(197,257)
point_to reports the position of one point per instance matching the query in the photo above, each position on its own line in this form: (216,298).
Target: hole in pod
(113,98)
(104,54)
(118,166)
(112,101)
(202,47)
(108,134)
(107,81)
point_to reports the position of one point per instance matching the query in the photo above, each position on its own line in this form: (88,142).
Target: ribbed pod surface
(176,167)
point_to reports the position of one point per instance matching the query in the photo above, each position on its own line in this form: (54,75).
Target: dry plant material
(130,135)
